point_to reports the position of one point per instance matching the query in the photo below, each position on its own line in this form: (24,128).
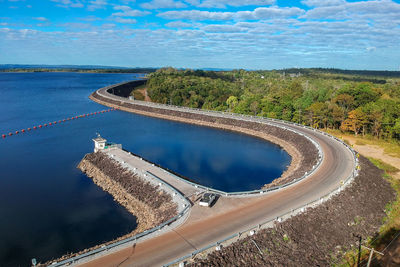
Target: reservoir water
(49,208)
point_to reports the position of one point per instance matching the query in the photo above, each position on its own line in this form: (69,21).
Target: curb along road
(338,165)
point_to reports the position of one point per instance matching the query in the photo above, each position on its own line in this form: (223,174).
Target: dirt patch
(291,142)
(375,151)
(319,235)
(145,95)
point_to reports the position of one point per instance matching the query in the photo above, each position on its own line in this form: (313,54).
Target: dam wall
(291,137)
(150,204)
(302,162)
(124,89)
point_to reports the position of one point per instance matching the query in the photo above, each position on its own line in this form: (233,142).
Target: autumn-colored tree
(320,98)
(375,116)
(356,121)
(338,115)
(344,101)
(318,114)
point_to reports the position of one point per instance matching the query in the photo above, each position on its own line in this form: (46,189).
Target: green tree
(318,114)
(232,102)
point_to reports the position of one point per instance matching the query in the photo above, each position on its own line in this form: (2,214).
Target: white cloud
(128,12)
(223,28)
(196,15)
(319,3)
(68,3)
(90,18)
(123,8)
(263,13)
(158,4)
(193,2)
(260,13)
(108,25)
(40,18)
(385,9)
(235,3)
(345,33)
(97,4)
(77,25)
(125,21)
(178,24)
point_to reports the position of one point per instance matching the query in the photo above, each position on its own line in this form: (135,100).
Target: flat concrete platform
(186,189)
(223,203)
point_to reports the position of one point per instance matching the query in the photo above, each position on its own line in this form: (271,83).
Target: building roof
(99,139)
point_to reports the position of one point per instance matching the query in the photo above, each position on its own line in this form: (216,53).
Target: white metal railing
(273,122)
(267,121)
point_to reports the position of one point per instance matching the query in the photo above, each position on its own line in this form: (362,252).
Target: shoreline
(147,216)
(253,212)
(120,195)
(296,168)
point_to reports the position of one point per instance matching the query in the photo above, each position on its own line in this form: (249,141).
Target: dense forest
(356,102)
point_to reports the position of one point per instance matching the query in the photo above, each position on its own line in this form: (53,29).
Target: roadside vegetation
(362,106)
(356,102)
(320,235)
(391,146)
(387,240)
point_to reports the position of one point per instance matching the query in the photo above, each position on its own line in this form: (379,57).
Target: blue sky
(251,34)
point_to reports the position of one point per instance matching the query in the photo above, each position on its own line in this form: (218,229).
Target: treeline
(361,73)
(315,98)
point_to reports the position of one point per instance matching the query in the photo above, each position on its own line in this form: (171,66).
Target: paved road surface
(197,232)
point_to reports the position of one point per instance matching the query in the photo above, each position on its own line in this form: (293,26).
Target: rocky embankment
(318,236)
(151,205)
(289,141)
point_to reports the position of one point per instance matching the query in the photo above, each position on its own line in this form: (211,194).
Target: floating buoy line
(40,126)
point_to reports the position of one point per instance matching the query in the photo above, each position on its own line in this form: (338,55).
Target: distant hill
(27,66)
(373,73)
(116,69)
(72,68)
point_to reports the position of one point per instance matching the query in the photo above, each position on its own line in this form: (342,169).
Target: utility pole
(371,254)
(257,246)
(359,248)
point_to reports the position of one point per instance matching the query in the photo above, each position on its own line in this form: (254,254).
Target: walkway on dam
(230,216)
(223,204)
(120,155)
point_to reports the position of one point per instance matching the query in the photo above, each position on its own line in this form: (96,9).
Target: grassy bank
(390,147)
(385,240)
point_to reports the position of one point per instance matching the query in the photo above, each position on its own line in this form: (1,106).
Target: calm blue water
(49,208)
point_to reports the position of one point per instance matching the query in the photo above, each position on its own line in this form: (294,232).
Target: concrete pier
(132,161)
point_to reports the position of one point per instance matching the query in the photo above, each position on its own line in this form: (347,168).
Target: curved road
(337,165)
